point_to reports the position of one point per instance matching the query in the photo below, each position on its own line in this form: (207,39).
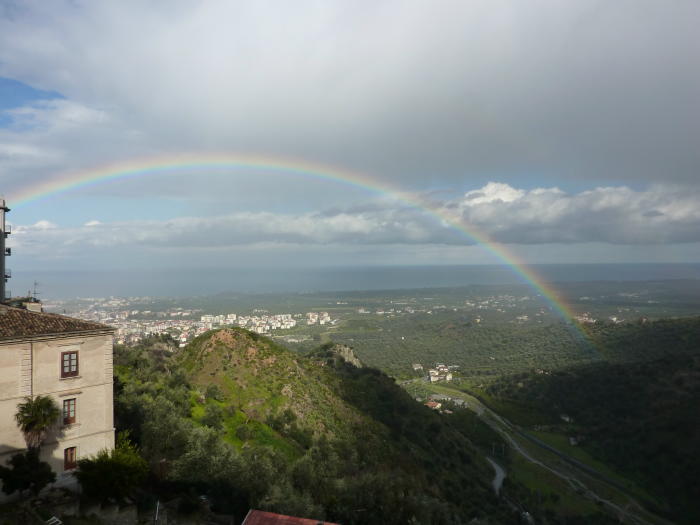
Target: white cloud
(616,215)
(37,226)
(492,192)
(55,114)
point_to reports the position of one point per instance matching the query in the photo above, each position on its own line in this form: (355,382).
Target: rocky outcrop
(347,354)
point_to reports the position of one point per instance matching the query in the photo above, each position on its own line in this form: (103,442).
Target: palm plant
(35,417)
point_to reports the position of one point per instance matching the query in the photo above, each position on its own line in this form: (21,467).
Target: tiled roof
(18,322)
(259,517)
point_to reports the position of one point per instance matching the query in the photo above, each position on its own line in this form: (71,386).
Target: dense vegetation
(251,424)
(482,351)
(637,412)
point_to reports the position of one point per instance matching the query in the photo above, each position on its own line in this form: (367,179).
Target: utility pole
(5,274)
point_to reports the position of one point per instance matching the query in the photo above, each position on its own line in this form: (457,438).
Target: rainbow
(296,168)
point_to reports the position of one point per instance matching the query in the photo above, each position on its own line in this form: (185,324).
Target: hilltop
(267,382)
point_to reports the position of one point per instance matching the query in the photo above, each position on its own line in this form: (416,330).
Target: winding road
(499,476)
(506,429)
(575,471)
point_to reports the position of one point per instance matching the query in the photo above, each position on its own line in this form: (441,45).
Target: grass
(561,443)
(258,432)
(601,488)
(567,501)
(518,413)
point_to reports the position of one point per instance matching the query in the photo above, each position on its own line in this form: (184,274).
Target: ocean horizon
(159,282)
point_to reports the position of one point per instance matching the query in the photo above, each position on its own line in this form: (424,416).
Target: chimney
(4,252)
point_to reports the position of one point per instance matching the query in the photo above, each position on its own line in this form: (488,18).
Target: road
(499,476)
(573,474)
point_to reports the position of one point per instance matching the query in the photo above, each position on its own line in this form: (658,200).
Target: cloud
(585,113)
(425,94)
(492,192)
(615,215)
(56,114)
(38,226)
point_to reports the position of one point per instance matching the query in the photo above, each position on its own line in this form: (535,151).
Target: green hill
(269,385)
(250,423)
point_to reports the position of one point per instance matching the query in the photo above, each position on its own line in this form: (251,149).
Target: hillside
(637,412)
(249,423)
(267,383)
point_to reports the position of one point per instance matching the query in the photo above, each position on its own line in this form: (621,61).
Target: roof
(18,323)
(260,517)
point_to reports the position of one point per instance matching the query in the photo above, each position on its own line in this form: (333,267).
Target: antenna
(5,230)
(35,293)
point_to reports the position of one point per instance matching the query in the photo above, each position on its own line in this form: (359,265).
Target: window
(70,459)
(68,411)
(69,364)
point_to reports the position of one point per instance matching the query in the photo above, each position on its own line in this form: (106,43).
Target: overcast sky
(568,130)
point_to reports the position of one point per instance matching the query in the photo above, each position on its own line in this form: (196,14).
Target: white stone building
(69,360)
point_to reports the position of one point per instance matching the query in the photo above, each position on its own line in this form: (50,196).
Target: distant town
(184,319)
(185,324)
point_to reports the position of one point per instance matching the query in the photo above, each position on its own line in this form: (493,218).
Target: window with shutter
(69,411)
(70,458)
(69,364)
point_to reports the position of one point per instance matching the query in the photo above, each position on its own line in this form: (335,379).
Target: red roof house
(259,517)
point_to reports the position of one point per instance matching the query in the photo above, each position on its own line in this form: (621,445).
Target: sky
(567,131)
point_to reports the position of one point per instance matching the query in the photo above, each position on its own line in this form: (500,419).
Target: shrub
(112,473)
(26,472)
(213,417)
(214,392)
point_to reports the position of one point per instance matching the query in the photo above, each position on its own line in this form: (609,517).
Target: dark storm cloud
(424,93)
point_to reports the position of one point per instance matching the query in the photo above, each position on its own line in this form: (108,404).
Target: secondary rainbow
(293,167)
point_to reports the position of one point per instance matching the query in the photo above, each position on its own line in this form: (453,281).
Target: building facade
(69,360)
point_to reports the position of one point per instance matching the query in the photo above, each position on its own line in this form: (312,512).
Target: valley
(545,401)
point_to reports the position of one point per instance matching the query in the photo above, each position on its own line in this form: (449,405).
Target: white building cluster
(318,318)
(440,373)
(266,323)
(183,325)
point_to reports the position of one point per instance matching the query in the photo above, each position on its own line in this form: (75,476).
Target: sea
(159,282)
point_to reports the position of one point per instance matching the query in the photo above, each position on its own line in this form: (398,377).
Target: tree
(112,474)
(26,472)
(35,417)
(214,392)
(164,433)
(283,498)
(213,417)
